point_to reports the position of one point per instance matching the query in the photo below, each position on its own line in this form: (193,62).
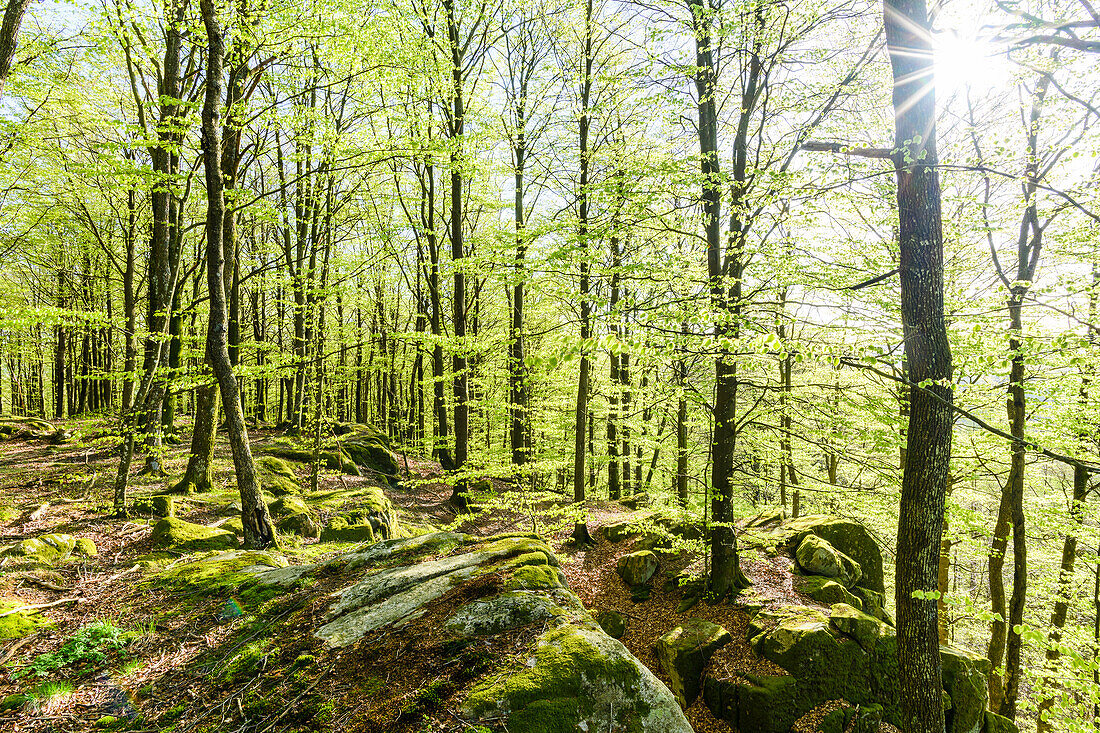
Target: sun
(964,61)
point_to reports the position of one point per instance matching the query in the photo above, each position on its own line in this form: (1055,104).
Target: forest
(631,313)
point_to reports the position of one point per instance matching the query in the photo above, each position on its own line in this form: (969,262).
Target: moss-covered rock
(817,556)
(176,534)
(301,524)
(998,724)
(509,610)
(965,679)
(578,679)
(219,569)
(41,551)
(373,455)
(612,622)
(636,568)
(85,547)
(535,577)
(874,604)
(278,467)
(684,651)
(846,535)
(825,590)
(852,622)
(339,529)
(287,505)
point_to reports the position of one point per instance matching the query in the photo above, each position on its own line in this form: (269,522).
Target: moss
(217,570)
(177,534)
(278,467)
(48,549)
(279,485)
(534,577)
(288,505)
(7,513)
(85,547)
(246,661)
(19,625)
(551,696)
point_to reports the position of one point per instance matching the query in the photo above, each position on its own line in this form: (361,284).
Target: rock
(965,679)
(373,455)
(331,459)
(618,531)
(157,506)
(852,622)
(300,524)
(287,505)
(394,596)
(685,651)
(578,679)
(874,604)
(993,724)
(637,501)
(636,568)
(817,557)
(86,547)
(509,610)
(825,590)
(612,622)
(219,569)
(570,677)
(278,467)
(848,536)
(772,518)
(176,534)
(45,550)
(340,530)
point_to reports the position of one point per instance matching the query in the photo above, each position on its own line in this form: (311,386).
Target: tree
(928,360)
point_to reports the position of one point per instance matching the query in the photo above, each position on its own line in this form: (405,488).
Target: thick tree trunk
(928,356)
(258,530)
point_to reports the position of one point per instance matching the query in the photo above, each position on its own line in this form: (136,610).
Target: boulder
(636,568)
(339,529)
(685,651)
(176,534)
(637,501)
(619,531)
(578,678)
(965,679)
(287,505)
(373,455)
(852,622)
(874,604)
(998,724)
(817,556)
(46,550)
(566,674)
(825,590)
(846,535)
(612,622)
(301,524)
(218,569)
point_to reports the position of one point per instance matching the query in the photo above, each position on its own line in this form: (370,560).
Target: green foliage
(89,649)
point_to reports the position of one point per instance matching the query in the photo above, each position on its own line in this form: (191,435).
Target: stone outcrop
(685,651)
(568,669)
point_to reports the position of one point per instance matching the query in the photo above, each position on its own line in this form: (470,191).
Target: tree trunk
(928,356)
(258,530)
(199,476)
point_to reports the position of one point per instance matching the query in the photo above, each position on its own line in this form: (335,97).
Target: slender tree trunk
(258,530)
(580,529)
(928,356)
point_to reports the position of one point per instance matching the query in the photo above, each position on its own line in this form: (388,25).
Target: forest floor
(148,673)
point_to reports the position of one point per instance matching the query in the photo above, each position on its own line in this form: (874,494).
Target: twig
(116,576)
(38,606)
(16,647)
(43,583)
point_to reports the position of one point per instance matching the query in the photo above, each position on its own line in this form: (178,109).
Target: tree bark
(928,356)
